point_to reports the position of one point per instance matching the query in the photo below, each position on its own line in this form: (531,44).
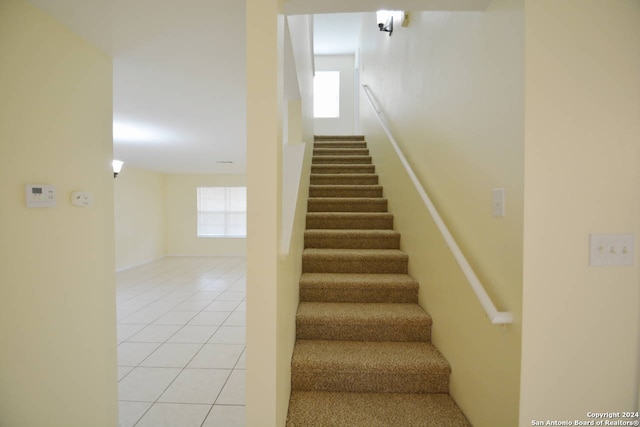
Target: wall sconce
(386,18)
(385,21)
(117,167)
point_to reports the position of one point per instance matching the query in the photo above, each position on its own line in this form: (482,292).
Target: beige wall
(582,145)
(272,291)
(181,216)
(57,294)
(452,88)
(265,29)
(140,217)
(156,215)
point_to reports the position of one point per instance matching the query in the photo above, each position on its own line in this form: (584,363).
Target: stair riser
(340,151)
(346,206)
(368,382)
(342,169)
(339,160)
(312,263)
(360,242)
(339,138)
(365,295)
(346,223)
(367,409)
(348,191)
(383,331)
(364,179)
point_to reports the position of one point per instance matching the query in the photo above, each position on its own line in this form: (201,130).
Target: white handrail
(496,317)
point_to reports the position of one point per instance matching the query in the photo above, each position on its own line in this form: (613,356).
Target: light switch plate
(497,202)
(611,249)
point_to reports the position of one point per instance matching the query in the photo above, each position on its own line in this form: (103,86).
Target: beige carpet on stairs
(363,354)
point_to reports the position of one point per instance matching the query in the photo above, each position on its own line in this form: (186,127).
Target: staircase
(363,354)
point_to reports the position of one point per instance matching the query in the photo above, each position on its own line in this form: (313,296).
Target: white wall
(451,85)
(57,292)
(265,32)
(582,145)
(181,225)
(272,280)
(140,217)
(345,124)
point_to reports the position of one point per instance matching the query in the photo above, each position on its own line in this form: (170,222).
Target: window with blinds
(222,211)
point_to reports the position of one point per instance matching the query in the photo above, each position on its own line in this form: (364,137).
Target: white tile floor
(181,342)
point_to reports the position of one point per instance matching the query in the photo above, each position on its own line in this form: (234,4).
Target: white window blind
(222,211)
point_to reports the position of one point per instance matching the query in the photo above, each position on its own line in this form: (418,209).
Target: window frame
(227,211)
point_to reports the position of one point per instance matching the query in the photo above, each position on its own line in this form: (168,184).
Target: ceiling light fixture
(117,167)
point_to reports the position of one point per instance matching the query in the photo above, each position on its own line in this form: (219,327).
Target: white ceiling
(178,78)
(179,70)
(294,7)
(337,33)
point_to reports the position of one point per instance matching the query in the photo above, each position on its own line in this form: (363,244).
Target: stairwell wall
(452,87)
(298,29)
(272,280)
(345,123)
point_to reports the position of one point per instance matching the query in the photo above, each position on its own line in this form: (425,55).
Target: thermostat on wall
(40,196)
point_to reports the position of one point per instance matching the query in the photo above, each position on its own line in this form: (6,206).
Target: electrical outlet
(611,249)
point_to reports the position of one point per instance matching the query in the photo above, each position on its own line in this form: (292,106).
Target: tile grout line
(175,288)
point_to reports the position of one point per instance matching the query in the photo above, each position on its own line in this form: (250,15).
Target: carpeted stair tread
(349,220)
(363,354)
(360,366)
(322,409)
(340,151)
(347,204)
(339,137)
(336,287)
(321,260)
(345,191)
(352,239)
(349,160)
(362,313)
(342,168)
(344,179)
(362,322)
